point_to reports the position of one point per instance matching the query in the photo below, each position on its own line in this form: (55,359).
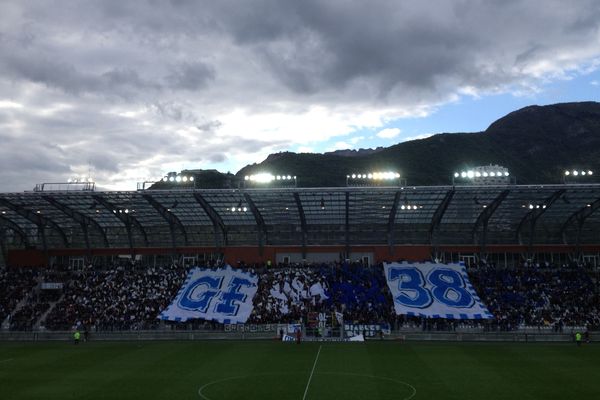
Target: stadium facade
(449,223)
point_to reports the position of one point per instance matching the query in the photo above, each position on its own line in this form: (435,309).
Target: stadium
(304,200)
(107,265)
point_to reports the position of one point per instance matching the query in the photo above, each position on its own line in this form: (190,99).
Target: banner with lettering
(434,290)
(223,295)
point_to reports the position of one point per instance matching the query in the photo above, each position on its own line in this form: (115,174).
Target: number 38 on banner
(446,286)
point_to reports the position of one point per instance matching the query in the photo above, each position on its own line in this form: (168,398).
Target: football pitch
(219,370)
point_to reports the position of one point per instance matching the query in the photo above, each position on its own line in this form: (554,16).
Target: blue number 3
(448,288)
(411,286)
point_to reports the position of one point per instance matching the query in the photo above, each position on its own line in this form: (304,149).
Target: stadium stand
(547,297)
(115,299)
(15,286)
(289,237)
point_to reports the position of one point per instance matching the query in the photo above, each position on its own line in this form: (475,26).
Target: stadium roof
(540,214)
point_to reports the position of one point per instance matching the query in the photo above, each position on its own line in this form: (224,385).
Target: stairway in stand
(42,318)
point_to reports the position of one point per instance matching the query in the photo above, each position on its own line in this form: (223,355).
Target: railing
(187,335)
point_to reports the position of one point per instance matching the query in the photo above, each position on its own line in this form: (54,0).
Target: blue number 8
(449,288)
(411,280)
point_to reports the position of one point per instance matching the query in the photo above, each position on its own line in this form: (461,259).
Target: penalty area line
(312,372)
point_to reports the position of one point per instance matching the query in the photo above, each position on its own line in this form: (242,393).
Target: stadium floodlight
(267,178)
(484,175)
(263,178)
(171,179)
(410,207)
(577,174)
(376,178)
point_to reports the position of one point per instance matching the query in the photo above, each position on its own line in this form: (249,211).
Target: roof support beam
(579,217)
(128,220)
(39,220)
(10,224)
(214,217)
(530,219)
(392,222)
(485,217)
(260,222)
(170,218)
(347,227)
(438,215)
(80,218)
(303,224)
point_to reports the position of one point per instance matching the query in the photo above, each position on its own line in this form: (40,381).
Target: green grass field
(279,371)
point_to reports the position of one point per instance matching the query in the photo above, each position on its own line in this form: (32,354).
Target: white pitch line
(311,373)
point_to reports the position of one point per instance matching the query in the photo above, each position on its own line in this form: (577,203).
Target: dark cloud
(134,87)
(209,126)
(191,76)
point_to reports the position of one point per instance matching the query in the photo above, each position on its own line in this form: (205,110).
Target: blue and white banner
(288,338)
(223,295)
(434,291)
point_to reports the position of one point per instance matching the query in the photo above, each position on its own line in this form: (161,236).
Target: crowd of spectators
(15,285)
(288,293)
(115,299)
(545,296)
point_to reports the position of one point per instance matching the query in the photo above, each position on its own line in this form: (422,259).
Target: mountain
(536,144)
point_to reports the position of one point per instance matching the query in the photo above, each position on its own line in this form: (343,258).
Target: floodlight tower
(578,175)
(267,179)
(179,181)
(388,178)
(484,175)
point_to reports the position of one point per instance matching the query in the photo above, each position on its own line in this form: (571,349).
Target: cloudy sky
(130,90)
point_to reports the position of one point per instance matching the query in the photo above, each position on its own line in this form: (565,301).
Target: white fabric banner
(223,295)
(434,290)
